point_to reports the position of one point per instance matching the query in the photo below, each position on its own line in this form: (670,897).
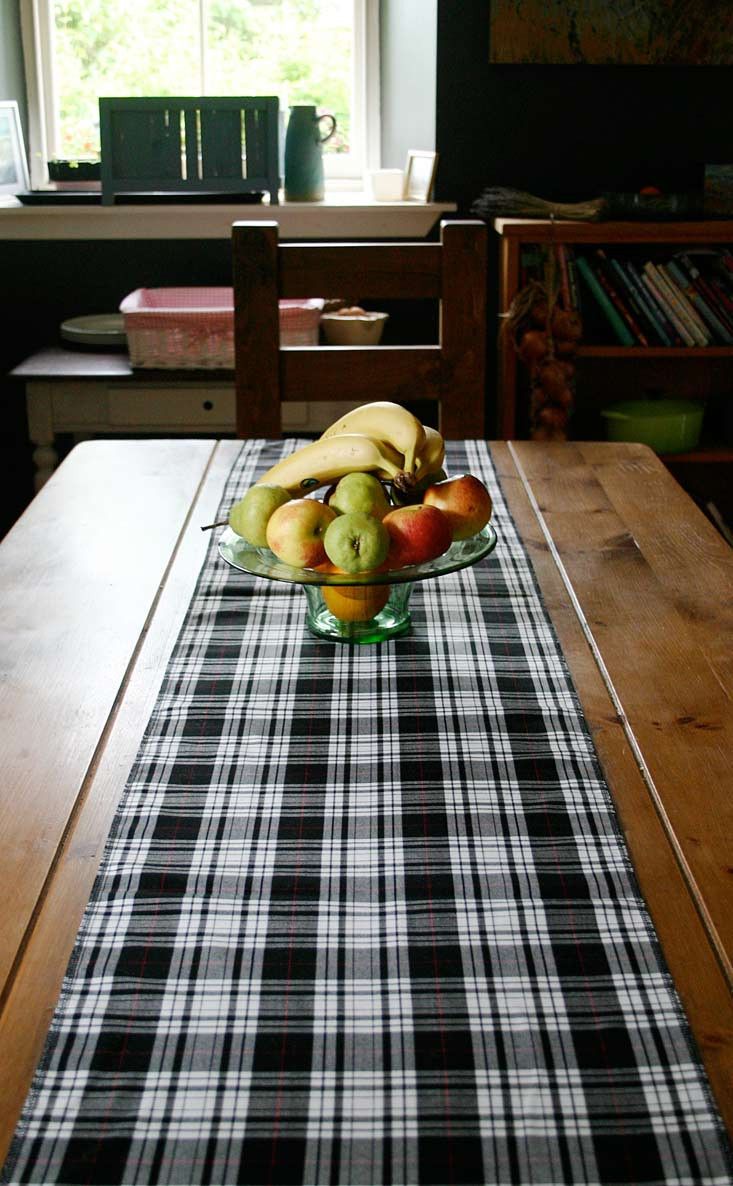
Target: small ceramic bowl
(362,329)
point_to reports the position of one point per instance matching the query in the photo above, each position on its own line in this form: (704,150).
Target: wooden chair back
(452,372)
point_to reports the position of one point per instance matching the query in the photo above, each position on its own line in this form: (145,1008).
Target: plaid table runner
(365,916)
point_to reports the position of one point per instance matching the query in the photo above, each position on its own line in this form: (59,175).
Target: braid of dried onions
(545,336)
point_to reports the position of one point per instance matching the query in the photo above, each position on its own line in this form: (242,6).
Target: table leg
(39,407)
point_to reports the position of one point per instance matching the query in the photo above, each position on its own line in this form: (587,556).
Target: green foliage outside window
(300,50)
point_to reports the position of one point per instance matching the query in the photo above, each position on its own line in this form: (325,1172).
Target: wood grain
(656,581)
(622,531)
(31,997)
(452,371)
(256,329)
(358,271)
(358,372)
(463,331)
(81,570)
(544,231)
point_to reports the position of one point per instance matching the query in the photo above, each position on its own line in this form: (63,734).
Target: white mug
(387,185)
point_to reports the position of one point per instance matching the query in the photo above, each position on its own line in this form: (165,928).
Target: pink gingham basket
(193,328)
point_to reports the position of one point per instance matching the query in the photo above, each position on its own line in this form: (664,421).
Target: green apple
(360,492)
(249,517)
(356,542)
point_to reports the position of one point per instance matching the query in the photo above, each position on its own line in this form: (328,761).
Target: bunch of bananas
(382,438)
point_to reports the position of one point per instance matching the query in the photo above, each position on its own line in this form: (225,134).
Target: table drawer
(199,406)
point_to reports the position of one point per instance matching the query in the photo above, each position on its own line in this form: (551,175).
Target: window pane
(300,50)
(118,48)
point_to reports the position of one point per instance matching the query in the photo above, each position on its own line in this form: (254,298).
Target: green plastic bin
(666,425)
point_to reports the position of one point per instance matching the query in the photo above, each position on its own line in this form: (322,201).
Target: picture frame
(420,175)
(13,162)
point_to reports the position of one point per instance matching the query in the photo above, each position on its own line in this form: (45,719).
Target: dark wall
(566,133)
(45,282)
(569,133)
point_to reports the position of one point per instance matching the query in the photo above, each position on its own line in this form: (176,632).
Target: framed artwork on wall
(13,163)
(596,33)
(420,175)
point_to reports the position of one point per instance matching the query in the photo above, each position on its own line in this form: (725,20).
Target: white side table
(91,394)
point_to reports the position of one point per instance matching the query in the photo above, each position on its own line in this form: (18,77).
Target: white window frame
(343,170)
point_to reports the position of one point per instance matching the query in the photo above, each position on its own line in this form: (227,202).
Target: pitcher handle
(332,130)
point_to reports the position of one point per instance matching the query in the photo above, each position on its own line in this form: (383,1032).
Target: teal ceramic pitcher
(303,155)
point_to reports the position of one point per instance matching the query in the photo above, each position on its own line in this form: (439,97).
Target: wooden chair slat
(402,374)
(451,372)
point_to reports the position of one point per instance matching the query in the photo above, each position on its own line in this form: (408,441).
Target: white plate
(100,329)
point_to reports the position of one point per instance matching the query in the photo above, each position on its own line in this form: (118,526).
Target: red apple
(464,500)
(295,532)
(417,533)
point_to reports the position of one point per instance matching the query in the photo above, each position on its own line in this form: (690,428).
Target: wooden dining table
(96,579)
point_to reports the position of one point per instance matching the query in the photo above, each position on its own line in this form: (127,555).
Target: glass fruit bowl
(350,607)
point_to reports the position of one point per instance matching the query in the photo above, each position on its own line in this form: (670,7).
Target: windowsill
(342,214)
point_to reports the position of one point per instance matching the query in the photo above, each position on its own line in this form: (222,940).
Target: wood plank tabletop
(96,579)
(639,587)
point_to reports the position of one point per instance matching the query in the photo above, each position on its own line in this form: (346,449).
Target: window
(305,51)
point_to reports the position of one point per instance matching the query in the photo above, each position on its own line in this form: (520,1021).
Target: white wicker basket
(193,328)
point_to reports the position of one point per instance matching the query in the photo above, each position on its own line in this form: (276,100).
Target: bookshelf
(516,234)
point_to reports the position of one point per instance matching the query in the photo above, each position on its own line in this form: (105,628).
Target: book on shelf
(677,298)
(621,330)
(652,283)
(680,272)
(722,279)
(609,282)
(671,335)
(707,291)
(692,335)
(638,301)
(695,324)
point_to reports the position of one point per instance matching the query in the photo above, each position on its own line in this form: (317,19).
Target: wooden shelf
(637,352)
(514,233)
(524,230)
(703,454)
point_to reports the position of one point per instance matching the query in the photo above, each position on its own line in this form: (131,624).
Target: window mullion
(365,121)
(36,32)
(371,106)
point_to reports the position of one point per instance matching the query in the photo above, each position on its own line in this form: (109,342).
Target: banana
(387,422)
(432,454)
(325,460)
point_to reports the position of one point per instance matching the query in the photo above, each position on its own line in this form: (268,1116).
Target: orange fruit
(355,603)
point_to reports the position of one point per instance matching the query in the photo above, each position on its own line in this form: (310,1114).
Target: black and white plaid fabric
(365,916)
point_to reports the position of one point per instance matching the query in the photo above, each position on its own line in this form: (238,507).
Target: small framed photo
(420,175)
(13,163)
